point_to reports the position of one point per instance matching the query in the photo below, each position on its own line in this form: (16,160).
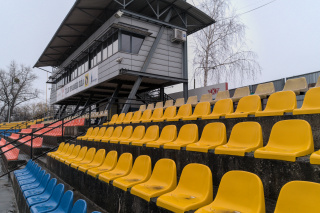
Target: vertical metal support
(58,112)
(162,93)
(185,64)
(62,132)
(78,105)
(136,85)
(110,102)
(63,110)
(86,104)
(31,147)
(89,116)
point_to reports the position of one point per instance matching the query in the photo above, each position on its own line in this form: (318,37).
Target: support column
(185,65)
(78,105)
(161,93)
(58,112)
(86,104)
(111,101)
(63,110)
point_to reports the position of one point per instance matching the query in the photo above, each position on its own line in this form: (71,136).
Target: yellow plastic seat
(213,135)
(141,172)
(88,133)
(67,153)
(106,134)
(59,150)
(159,105)
(152,134)
(128,118)
(125,135)
(135,118)
(157,114)
(170,112)
(137,134)
(240,93)
(179,102)
(99,134)
(221,108)
(299,196)
(315,157)
(150,106)
(167,104)
(142,108)
(279,103)
(194,190)
(239,191)
(120,118)
(221,95)
(206,98)
(311,102)
(73,155)
(247,105)
(108,164)
(168,134)
(288,139)
(188,134)
(79,157)
(264,90)
(184,111)
(64,151)
(96,162)
(244,137)
(201,109)
(122,168)
(193,100)
(113,120)
(115,134)
(88,158)
(145,116)
(162,180)
(297,85)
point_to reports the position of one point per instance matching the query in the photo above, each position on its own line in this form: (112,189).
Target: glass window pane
(136,44)
(125,43)
(99,56)
(105,53)
(109,47)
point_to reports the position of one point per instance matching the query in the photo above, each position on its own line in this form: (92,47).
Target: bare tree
(30,111)
(16,87)
(220,49)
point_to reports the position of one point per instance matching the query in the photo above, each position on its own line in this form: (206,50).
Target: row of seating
(11,153)
(36,126)
(36,142)
(239,191)
(50,131)
(288,139)
(43,194)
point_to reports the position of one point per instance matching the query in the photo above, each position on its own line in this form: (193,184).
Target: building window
(131,43)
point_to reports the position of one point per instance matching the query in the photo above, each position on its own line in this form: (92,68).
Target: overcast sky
(284,34)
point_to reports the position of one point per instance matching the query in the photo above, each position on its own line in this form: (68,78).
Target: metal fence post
(62,129)
(89,115)
(31,150)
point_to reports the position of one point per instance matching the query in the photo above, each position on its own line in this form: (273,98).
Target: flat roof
(86,16)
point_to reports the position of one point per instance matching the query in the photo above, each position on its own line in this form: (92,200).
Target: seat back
(152,133)
(65,148)
(66,202)
(299,196)
(128,117)
(99,156)
(241,92)
(138,133)
(294,134)
(281,101)
(124,162)
(168,103)
(179,102)
(318,82)
(266,88)
(222,95)
(312,99)
(295,84)
(146,115)
(111,159)
(60,148)
(45,180)
(82,153)
(94,132)
(188,132)
(101,132)
(250,103)
(90,154)
(136,116)
(127,132)
(120,118)
(170,112)
(89,131)
(202,108)
(51,185)
(142,166)
(70,149)
(246,134)
(192,100)
(150,106)
(169,133)
(159,105)
(80,206)
(108,132)
(157,113)
(214,133)
(206,97)
(241,191)
(196,179)
(165,173)
(185,110)
(57,193)
(117,132)
(224,106)
(114,118)
(75,151)
(142,107)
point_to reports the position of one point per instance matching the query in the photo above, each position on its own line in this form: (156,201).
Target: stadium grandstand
(119,143)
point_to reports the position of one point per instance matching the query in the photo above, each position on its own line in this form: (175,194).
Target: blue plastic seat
(31,168)
(50,204)
(34,172)
(34,184)
(43,196)
(36,191)
(25,169)
(79,207)
(32,180)
(66,203)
